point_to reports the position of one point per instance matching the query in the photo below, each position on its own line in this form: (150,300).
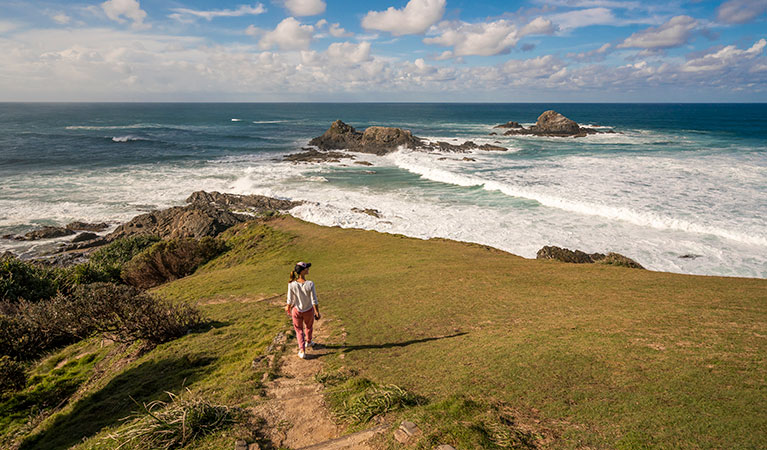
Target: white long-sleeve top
(302,295)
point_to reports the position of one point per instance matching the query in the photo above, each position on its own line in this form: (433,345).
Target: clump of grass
(358,400)
(467,423)
(174,424)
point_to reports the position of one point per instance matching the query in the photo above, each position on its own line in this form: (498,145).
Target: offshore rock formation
(378,141)
(551,123)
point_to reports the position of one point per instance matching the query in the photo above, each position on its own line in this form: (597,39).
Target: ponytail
(293,276)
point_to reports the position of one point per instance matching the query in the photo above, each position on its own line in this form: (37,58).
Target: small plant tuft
(358,400)
(174,424)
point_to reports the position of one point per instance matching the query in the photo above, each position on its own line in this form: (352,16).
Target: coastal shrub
(121,313)
(24,280)
(169,260)
(126,314)
(174,424)
(29,329)
(13,377)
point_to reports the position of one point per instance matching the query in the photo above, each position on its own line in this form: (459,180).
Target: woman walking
(302,306)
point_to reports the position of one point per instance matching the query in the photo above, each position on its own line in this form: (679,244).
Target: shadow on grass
(351,348)
(145,383)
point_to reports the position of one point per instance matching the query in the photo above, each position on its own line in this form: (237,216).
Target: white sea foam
(236,120)
(127,138)
(116,127)
(270,121)
(415,163)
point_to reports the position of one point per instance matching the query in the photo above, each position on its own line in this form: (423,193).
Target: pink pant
(299,320)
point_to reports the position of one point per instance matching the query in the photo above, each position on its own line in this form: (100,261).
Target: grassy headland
(586,356)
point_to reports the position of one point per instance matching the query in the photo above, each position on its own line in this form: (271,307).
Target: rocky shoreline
(208,214)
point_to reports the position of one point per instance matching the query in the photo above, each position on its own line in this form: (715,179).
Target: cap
(303,265)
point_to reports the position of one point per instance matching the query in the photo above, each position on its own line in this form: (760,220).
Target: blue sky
(417,50)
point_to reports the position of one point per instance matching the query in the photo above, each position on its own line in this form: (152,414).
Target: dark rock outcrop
(84,226)
(253,203)
(579,257)
(85,236)
(382,140)
(313,155)
(208,214)
(46,232)
(509,124)
(567,255)
(369,211)
(551,123)
(377,140)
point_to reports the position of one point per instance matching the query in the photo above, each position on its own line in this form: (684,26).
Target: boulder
(551,122)
(363,163)
(85,236)
(85,226)
(339,136)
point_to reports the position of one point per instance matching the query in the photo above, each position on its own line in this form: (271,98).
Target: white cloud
(305,7)
(583,18)
(740,11)
(289,34)
(61,18)
(488,38)
(539,67)
(336,31)
(349,53)
(727,57)
(130,9)
(597,54)
(6,26)
(188,15)
(415,18)
(674,33)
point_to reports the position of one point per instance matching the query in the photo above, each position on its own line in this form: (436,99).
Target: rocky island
(374,140)
(550,123)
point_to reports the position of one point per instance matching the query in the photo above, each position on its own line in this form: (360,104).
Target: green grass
(607,356)
(575,355)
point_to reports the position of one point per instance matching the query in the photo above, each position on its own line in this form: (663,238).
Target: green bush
(13,377)
(121,251)
(169,260)
(24,280)
(122,313)
(126,314)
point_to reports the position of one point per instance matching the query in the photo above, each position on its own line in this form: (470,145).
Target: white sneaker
(302,355)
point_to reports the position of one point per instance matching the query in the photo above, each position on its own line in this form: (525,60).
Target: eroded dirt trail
(295,412)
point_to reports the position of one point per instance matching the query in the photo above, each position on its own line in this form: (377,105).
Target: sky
(384,50)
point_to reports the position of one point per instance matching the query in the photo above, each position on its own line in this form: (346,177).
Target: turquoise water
(675,180)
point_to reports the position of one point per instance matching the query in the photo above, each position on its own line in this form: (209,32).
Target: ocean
(678,187)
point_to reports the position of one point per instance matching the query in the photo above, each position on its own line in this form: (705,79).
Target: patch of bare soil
(295,413)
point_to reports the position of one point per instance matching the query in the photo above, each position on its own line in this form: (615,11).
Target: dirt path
(295,412)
